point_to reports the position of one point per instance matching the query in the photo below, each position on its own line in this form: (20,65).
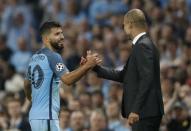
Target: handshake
(91,60)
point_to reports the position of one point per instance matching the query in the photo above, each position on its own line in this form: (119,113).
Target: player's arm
(69,78)
(72,77)
(27,89)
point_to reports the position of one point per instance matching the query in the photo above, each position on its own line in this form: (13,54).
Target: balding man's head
(134,23)
(135,17)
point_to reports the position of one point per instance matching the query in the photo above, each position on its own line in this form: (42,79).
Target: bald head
(136,17)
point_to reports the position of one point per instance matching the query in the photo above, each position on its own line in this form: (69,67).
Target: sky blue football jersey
(44,71)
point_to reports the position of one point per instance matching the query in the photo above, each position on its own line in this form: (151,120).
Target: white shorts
(44,125)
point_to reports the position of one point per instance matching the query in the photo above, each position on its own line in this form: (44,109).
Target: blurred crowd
(93,103)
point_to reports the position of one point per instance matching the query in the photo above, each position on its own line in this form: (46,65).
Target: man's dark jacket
(141,80)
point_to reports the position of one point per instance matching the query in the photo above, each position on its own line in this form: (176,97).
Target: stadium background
(97,25)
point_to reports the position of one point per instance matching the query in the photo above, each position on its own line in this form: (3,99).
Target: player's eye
(57,33)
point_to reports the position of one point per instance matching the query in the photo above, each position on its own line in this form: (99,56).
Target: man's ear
(45,38)
(131,25)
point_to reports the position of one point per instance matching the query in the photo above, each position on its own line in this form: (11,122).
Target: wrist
(87,66)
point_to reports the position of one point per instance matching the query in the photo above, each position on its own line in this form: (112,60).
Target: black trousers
(148,124)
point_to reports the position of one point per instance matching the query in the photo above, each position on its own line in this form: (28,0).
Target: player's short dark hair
(47,26)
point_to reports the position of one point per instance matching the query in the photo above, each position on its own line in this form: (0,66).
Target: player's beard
(57,45)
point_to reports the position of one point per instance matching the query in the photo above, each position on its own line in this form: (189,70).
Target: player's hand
(82,61)
(98,59)
(92,59)
(133,118)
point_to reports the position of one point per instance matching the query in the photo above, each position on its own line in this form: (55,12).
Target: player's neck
(49,47)
(52,49)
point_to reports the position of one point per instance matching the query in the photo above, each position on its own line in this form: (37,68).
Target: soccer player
(46,69)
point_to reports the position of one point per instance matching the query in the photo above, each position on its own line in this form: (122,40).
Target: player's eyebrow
(59,32)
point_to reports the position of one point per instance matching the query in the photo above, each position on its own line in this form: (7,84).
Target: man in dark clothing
(142,101)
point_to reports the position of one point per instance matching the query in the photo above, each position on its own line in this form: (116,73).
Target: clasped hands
(91,60)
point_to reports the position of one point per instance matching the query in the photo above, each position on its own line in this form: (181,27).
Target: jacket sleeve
(110,74)
(145,66)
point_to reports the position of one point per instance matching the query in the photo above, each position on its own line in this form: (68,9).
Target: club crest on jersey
(59,66)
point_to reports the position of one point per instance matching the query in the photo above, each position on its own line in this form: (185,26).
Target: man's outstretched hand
(133,118)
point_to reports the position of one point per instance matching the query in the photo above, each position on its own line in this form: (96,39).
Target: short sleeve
(57,65)
(28,73)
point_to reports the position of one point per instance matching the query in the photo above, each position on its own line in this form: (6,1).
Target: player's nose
(62,37)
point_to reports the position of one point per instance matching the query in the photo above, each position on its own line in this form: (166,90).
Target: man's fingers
(128,121)
(132,120)
(135,119)
(98,61)
(88,52)
(83,59)
(95,54)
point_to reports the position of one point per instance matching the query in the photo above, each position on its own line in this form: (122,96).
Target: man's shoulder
(145,41)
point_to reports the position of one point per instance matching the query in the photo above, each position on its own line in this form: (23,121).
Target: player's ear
(45,38)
